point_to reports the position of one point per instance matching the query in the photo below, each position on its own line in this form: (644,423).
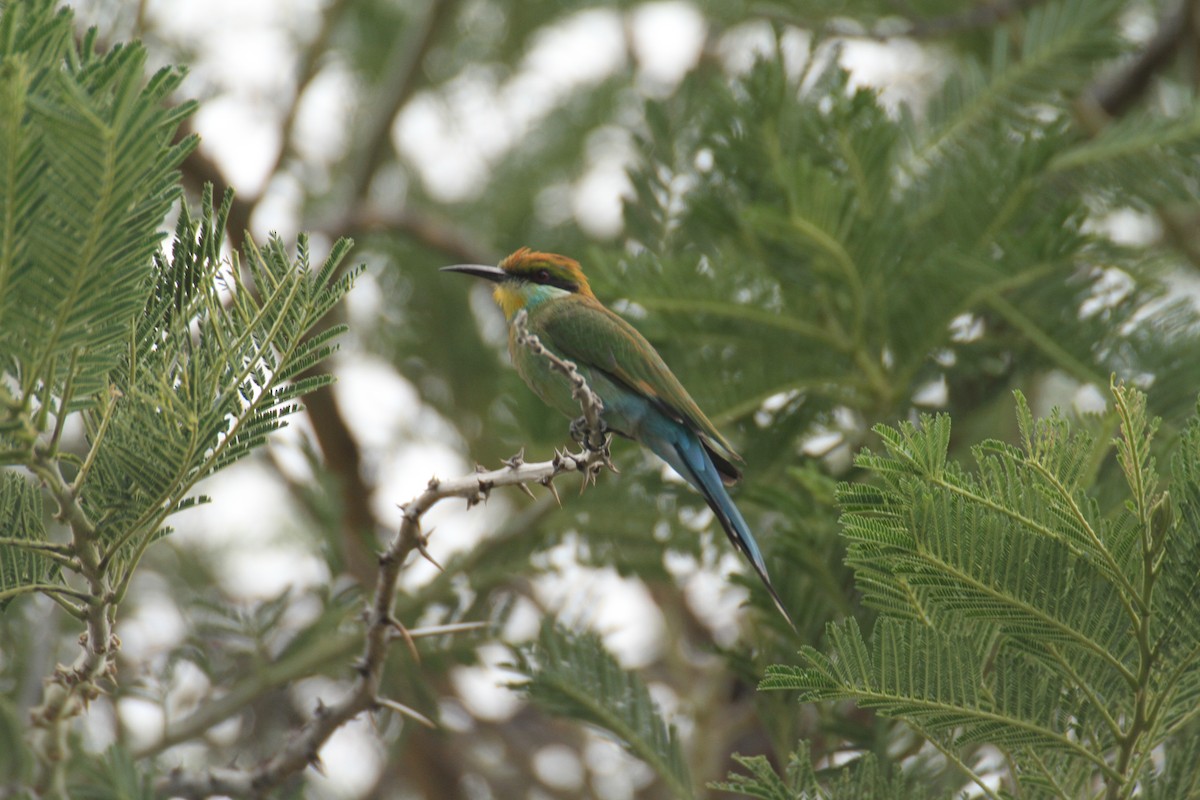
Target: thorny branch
(593,437)
(302,750)
(70,689)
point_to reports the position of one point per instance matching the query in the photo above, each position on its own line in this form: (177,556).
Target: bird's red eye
(543,276)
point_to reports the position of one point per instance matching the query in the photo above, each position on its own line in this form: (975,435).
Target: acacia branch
(302,749)
(70,689)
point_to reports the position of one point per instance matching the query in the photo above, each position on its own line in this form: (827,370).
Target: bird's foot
(584,434)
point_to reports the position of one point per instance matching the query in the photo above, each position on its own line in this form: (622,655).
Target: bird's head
(527,278)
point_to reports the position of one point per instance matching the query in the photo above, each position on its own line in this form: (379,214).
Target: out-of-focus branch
(334,437)
(403,72)
(197,170)
(307,69)
(403,75)
(1114,95)
(343,457)
(1117,93)
(303,663)
(336,441)
(306,661)
(425,229)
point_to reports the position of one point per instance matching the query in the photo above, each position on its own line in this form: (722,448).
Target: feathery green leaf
(570,673)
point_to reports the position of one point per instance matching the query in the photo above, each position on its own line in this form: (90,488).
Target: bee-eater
(642,399)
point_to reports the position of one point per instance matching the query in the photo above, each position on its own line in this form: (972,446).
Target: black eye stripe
(547,278)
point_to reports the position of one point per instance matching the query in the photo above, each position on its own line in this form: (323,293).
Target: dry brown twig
(383,628)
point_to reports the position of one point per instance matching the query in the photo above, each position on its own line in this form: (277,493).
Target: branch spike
(408,639)
(400,708)
(553,490)
(424,551)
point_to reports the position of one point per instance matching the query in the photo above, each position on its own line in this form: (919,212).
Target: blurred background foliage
(832,215)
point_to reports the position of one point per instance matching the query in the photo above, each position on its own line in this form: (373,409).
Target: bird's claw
(589,437)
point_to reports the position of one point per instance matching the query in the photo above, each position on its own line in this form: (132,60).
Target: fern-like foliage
(571,674)
(1020,610)
(1059,44)
(22,566)
(215,365)
(864,779)
(87,173)
(786,214)
(116,777)
(177,365)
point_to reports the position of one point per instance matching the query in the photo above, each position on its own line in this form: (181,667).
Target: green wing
(584,331)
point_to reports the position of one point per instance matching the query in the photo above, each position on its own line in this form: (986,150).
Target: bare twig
(383,628)
(301,751)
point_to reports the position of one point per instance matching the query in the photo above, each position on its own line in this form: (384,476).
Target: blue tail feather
(687,456)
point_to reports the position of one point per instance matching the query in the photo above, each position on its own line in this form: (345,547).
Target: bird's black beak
(493,274)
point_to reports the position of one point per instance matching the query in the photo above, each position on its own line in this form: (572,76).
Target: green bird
(642,399)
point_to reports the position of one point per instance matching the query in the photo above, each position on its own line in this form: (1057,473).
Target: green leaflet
(178,366)
(1018,608)
(87,173)
(571,674)
(21,562)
